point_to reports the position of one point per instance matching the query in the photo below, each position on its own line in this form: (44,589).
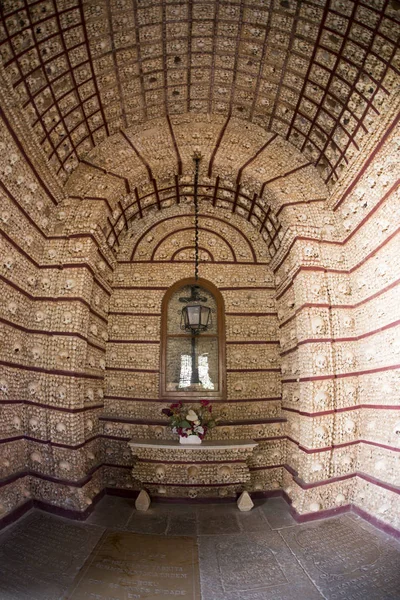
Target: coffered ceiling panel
(317,72)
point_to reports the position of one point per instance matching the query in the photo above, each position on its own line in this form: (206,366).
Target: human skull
(158,431)
(93,329)
(348,322)
(70,284)
(61,392)
(45,283)
(89,425)
(34,424)
(67,318)
(61,428)
(64,465)
(192,493)
(31,280)
(8,262)
(160,472)
(12,307)
(321,433)
(63,356)
(17,422)
(33,388)
(320,361)
(316,289)
(225,472)
(321,397)
(344,288)
(192,472)
(317,324)
(40,316)
(36,457)
(17,347)
(349,426)
(349,358)
(316,467)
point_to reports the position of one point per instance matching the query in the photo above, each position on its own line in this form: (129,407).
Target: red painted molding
(365,166)
(354,338)
(53,333)
(51,371)
(65,409)
(343,445)
(337,306)
(52,299)
(215,401)
(341,375)
(201,215)
(344,409)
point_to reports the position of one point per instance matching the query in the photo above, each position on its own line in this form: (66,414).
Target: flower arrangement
(188,421)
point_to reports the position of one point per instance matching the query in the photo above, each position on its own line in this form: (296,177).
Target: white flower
(197,422)
(191,416)
(199,429)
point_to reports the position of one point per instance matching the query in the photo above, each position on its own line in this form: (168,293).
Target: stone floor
(260,555)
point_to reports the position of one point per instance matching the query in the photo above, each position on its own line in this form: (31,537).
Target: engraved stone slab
(41,554)
(129,566)
(347,560)
(252,566)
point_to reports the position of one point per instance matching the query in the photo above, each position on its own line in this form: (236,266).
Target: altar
(168,468)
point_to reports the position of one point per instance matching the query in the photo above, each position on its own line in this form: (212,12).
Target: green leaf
(185,424)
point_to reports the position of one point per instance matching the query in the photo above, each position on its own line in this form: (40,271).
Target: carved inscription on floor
(128,566)
(41,555)
(252,566)
(346,560)
(243,570)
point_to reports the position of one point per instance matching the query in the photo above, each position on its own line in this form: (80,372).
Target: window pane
(192,364)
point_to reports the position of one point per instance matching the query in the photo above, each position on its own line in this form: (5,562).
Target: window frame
(219,394)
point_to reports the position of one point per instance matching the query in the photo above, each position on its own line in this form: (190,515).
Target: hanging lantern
(195,318)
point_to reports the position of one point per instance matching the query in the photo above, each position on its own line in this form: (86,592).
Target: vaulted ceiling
(317,72)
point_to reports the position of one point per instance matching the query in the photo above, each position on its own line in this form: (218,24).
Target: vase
(191,439)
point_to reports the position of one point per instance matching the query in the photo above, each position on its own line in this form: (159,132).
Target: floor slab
(41,554)
(345,560)
(252,566)
(126,566)
(259,555)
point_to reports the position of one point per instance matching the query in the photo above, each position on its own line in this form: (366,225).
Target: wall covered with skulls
(84,273)
(159,253)
(338,310)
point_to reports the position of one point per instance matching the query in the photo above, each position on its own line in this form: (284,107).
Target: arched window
(193,341)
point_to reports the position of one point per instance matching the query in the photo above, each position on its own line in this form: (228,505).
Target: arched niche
(192,366)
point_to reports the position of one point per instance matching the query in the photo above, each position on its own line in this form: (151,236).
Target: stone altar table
(209,470)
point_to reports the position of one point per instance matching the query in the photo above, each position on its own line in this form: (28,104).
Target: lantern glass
(195,318)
